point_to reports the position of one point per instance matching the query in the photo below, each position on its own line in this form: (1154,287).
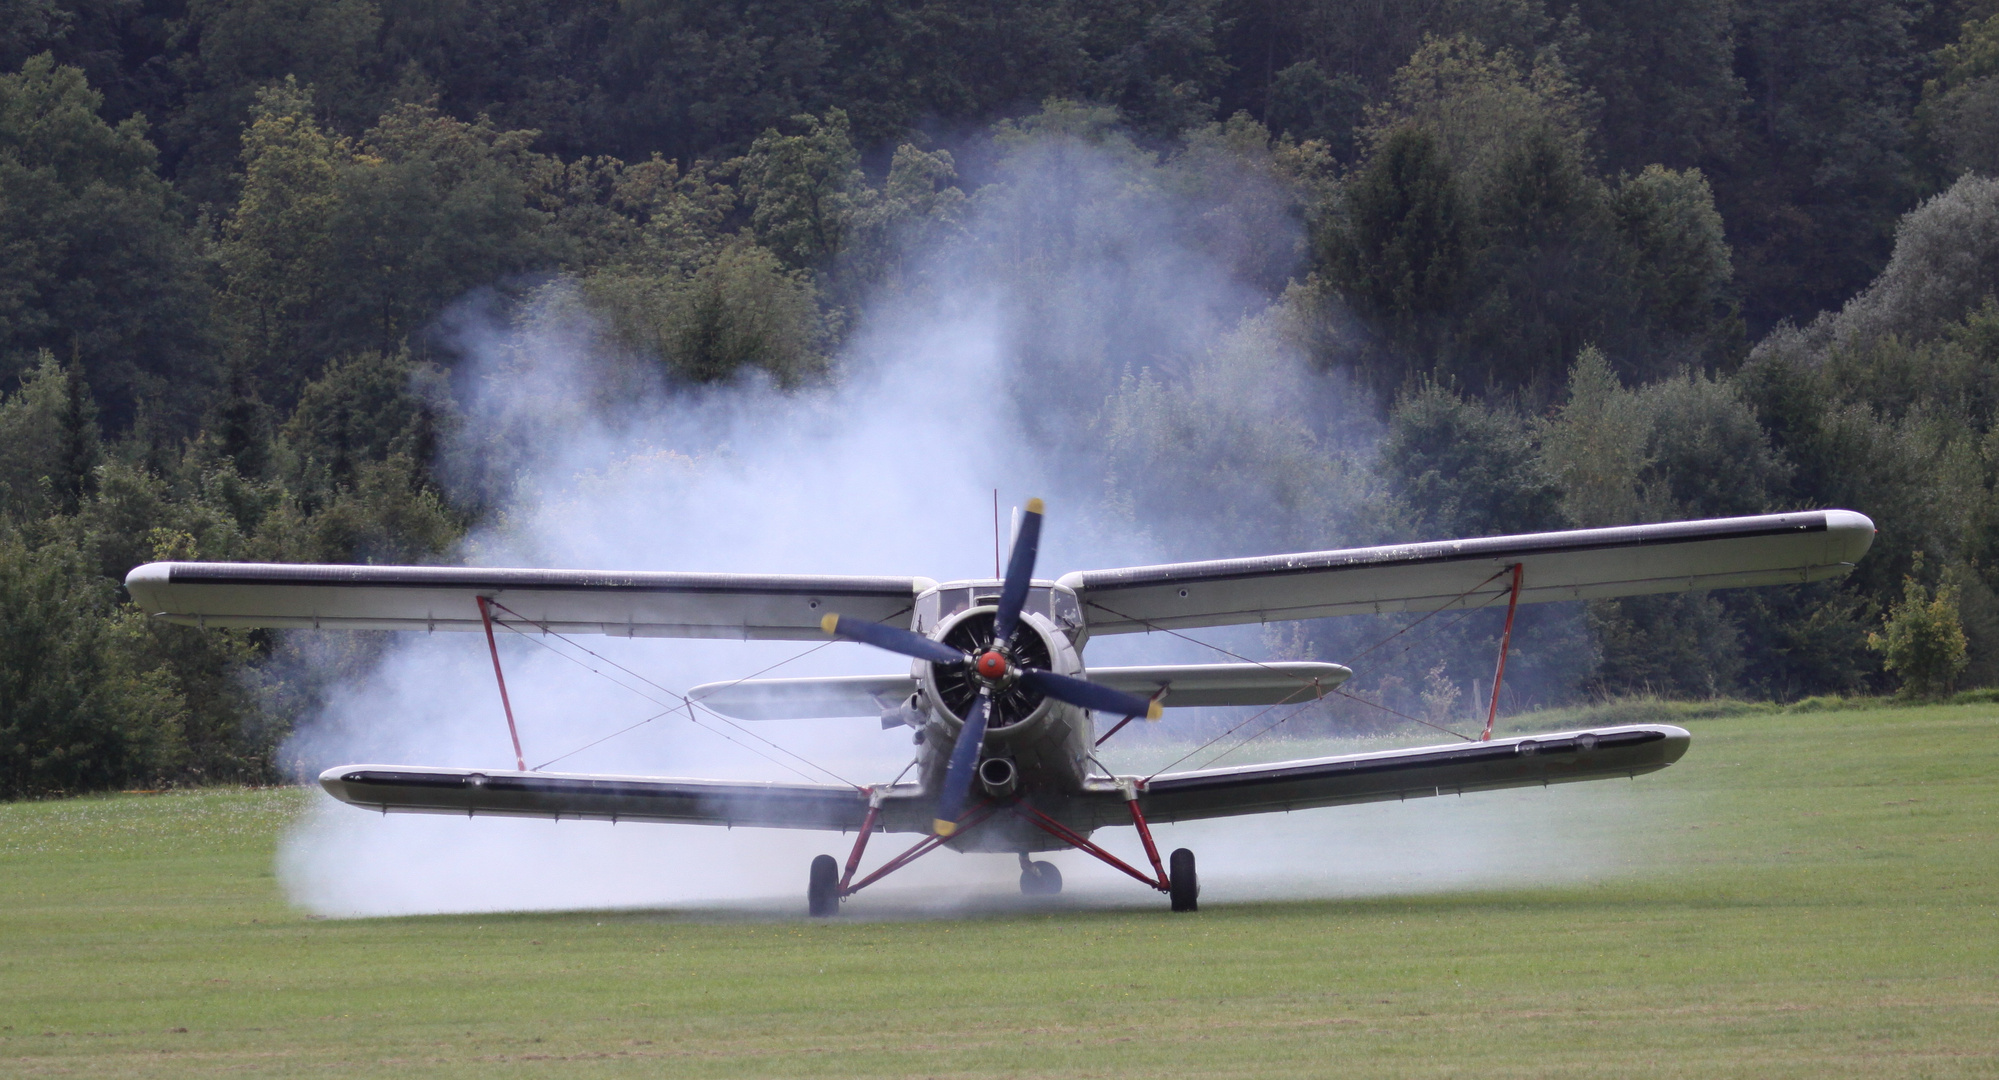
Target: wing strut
(1505,638)
(1082,843)
(486,616)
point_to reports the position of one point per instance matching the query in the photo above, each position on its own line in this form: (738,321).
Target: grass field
(1830,907)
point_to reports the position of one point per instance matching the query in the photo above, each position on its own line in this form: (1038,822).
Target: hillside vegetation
(1563,265)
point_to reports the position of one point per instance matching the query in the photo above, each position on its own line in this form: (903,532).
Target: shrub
(1923,641)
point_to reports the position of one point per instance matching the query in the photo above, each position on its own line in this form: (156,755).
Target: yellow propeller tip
(1153,709)
(942,827)
(830,624)
(1034,506)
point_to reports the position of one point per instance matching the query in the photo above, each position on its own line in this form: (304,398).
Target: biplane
(1003,711)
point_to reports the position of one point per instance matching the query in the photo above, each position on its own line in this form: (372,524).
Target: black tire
(822,896)
(1186,891)
(1040,879)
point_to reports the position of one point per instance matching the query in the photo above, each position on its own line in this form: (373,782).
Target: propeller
(993,667)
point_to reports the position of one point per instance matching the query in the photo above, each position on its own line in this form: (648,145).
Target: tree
(648,215)
(1822,167)
(1466,468)
(430,208)
(1679,264)
(1664,71)
(1401,254)
(227,52)
(1597,445)
(741,310)
(800,189)
(1549,271)
(277,243)
(339,248)
(95,264)
(1945,263)
(1922,640)
(1707,456)
(1480,104)
(77,713)
(1155,61)
(915,211)
(1306,103)
(1959,114)
(1675,645)
(365,409)
(48,443)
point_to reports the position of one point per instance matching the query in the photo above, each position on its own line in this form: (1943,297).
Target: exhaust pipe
(998,777)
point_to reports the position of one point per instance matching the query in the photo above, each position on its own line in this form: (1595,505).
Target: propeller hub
(991,665)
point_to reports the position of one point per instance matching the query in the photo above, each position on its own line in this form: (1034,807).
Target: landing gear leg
(822,896)
(1038,878)
(1186,890)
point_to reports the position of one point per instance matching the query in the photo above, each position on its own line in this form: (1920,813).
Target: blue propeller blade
(1087,694)
(1019,571)
(894,639)
(964,761)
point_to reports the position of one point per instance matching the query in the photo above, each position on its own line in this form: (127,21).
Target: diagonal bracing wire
(681,701)
(1435,612)
(1305,684)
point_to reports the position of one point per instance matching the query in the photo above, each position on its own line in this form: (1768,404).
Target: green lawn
(1829,905)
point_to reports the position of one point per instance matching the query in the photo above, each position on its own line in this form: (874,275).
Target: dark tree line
(1595,263)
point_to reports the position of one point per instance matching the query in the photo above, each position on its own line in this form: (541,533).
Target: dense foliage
(1590,264)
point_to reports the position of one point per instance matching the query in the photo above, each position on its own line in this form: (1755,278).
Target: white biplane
(1004,710)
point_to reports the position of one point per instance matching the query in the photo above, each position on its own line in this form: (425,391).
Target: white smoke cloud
(986,378)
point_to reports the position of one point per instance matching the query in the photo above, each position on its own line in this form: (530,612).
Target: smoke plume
(1108,332)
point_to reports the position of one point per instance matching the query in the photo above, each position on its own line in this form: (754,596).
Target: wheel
(1040,879)
(822,896)
(1186,884)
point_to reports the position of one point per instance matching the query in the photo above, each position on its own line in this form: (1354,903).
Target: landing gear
(1186,890)
(822,896)
(1039,878)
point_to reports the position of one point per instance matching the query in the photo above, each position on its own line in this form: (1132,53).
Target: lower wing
(1530,761)
(415,790)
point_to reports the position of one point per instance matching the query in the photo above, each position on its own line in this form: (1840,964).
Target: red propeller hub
(991,665)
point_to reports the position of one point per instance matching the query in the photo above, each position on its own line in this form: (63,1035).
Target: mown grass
(1830,908)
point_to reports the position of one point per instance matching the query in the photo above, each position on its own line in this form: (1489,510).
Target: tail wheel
(1186,884)
(822,896)
(1040,879)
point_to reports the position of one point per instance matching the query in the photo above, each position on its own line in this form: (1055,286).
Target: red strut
(1505,638)
(486,617)
(1144,832)
(861,841)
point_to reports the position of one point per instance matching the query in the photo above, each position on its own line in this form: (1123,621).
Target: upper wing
(407,789)
(1578,565)
(569,601)
(1395,774)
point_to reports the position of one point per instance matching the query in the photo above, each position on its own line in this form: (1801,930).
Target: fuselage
(1035,747)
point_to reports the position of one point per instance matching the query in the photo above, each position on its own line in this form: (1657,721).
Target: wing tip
(1853,532)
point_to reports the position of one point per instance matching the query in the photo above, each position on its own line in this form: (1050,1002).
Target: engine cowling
(1035,643)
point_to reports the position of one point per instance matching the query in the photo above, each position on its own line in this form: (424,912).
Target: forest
(1571,265)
